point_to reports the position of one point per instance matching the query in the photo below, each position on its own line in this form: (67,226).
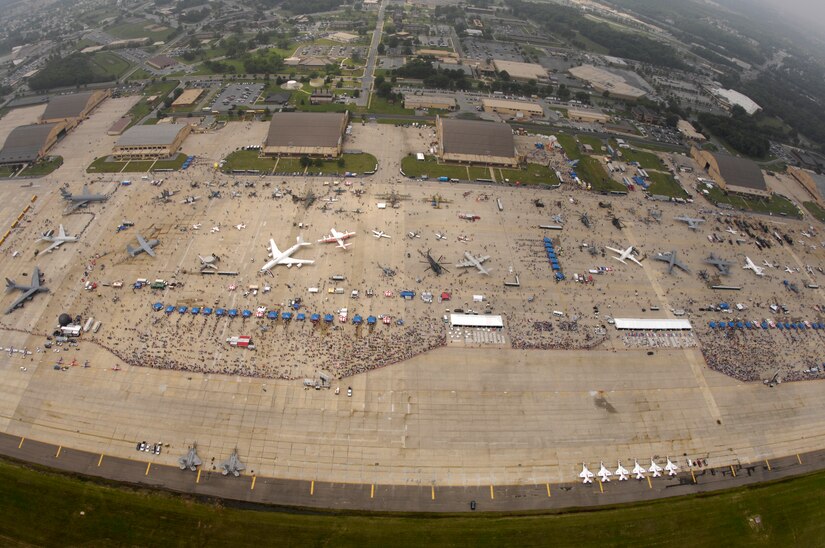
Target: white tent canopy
(662,324)
(475,320)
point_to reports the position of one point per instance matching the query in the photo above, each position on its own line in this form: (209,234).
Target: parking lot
(332,52)
(490,49)
(237,95)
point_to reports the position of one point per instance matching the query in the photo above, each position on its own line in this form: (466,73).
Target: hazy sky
(805,10)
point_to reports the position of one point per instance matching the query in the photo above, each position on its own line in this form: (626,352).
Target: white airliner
(655,469)
(586,475)
(58,240)
(671,468)
(604,474)
(624,254)
(335,236)
(639,471)
(622,472)
(284,258)
(240,226)
(472,260)
(758,270)
(380,234)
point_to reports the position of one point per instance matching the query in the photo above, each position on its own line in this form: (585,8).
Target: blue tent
(711,324)
(787,325)
(749,325)
(371,320)
(195,310)
(406,295)
(740,325)
(328,318)
(731,325)
(182,309)
(246,313)
(357,319)
(286,315)
(233,312)
(220,312)
(272,315)
(170,309)
(207,311)
(315,317)
(296,306)
(724,306)
(721,325)
(800,325)
(765,325)
(157,306)
(301,316)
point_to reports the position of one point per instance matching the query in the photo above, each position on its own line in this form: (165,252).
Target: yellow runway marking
(100,460)
(768,465)
(649,483)
(432,492)
(372,490)
(799,460)
(692,475)
(312,487)
(732,471)
(601,487)
(492,493)
(548,489)
(21,442)
(198,479)
(59,448)
(148,466)
(252,487)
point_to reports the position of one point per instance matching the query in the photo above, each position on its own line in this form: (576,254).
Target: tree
(305,161)
(381,49)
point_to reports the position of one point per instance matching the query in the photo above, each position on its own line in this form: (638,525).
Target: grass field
(82,512)
(379,105)
(108,64)
(533,174)
(102,165)
(591,171)
(6,171)
(647,160)
(142,107)
(249,160)
(43,167)
(815,210)
(776,205)
(432,169)
(139,29)
(665,185)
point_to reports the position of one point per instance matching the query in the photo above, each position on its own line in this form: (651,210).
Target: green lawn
(533,174)
(647,160)
(658,147)
(379,105)
(249,160)
(44,167)
(175,163)
(815,210)
(139,29)
(591,171)
(402,121)
(6,171)
(143,107)
(103,165)
(776,204)
(570,146)
(594,142)
(432,169)
(109,64)
(140,74)
(665,185)
(89,513)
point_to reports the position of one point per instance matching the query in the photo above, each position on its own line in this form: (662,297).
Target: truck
(443,179)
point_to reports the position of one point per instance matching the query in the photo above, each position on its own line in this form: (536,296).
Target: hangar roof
(66,106)
(151,135)
(740,172)
(25,142)
(305,129)
(477,138)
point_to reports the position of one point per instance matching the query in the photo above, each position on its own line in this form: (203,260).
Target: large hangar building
(151,142)
(73,108)
(732,174)
(306,133)
(27,144)
(471,141)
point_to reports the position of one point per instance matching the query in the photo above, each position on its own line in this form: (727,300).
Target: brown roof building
(475,142)
(310,133)
(27,144)
(732,174)
(71,109)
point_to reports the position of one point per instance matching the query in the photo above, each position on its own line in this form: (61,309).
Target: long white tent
(662,324)
(476,320)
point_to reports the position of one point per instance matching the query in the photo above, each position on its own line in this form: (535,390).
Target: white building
(730,97)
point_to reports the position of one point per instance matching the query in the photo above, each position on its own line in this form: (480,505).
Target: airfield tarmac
(439,409)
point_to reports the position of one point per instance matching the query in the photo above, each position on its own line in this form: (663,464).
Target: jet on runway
(758,270)
(285,257)
(339,237)
(56,241)
(82,199)
(29,291)
(624,254)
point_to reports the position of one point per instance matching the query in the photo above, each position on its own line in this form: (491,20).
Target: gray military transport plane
(670,258)
(84,198)
(29,291)
(143,246)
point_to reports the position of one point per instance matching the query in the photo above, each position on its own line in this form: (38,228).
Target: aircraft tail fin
(10,284)
(130,250)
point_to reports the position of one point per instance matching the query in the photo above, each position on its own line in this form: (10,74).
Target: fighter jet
(56,241)
(758,270)
(474,261)
(671,259)
(693,223)
(624,254)
(671,468)
(82,199)
(586,475)
(380,234)
(29,291)
(233,465)
(655,469)
(240,226)
(639,470)
(143,246)
(604,474)
(585,220)
(722,265)
(190,459)
(622,472)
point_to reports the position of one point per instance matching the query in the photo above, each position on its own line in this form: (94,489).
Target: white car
(349,392)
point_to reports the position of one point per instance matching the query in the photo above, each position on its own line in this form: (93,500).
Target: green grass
(354,163)
(570,146)
(814,209)
(109,64)
(140,74)
(594,142)
(142,108)
(6,171)
(533,174)
(44,167)
(789,513)
(657,147)
(103,165)
(175,163)
(591,171)
(137,29)
(647,160)
(379,105)
(249,160)
(432,169)
(776,205)
(665,185)
(403,121)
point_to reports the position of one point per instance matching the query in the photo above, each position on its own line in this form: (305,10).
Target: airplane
(670,258)
(806,234)
(190,200)
(586,475)
(209,262)
(216,228)
(731,230)
(722,265)
(474,261)
(190,460)
(56,241)
(284,258)
(197,226)
(671,468)
(412,235)
(82,199)
(604,474)
(639,470)
(558,219)
(440,236)
(622,472)
(624,254)
(380,234)
(29,291)
(758,270)
(655,469)
(143,246)
(233,465)
(768,265)
(240,226)
(789,270)
(335,236)
(693,223)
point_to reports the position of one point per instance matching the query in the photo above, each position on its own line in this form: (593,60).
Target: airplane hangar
(475,142)
(72,109)
(310,133)
(151,142)
(26,144)
(732,174)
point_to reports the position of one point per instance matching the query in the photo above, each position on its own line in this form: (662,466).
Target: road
(372,59)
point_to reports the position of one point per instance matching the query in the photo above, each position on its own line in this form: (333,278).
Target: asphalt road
(372,59)
(400,498)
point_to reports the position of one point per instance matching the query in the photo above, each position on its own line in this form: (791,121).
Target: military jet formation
(622,473)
